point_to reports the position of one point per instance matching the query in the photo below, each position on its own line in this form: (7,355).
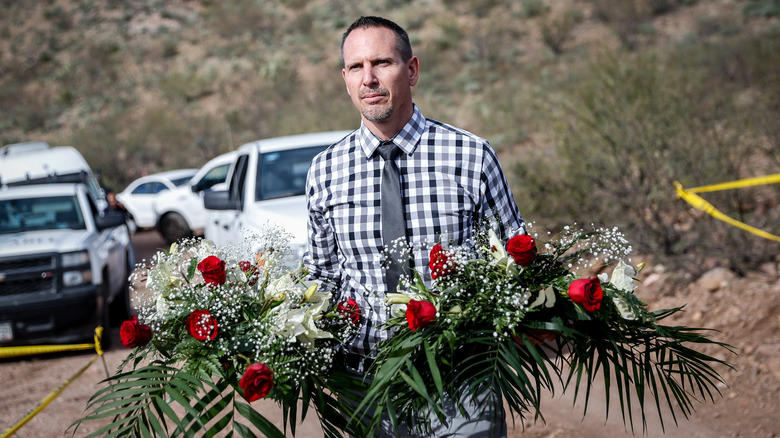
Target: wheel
(173,227)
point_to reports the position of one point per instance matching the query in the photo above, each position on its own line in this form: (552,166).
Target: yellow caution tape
(699,203)
(49,398)
(738,184)
(30,350)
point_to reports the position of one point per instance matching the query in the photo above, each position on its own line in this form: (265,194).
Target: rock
(768,356)
(715,279)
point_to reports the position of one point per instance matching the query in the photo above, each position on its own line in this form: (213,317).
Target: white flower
(162,306)
(398,301)
(498,251)
(496,246)
(299,322)
(284,286)
(623,279)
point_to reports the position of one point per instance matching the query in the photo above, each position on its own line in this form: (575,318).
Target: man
(450,180)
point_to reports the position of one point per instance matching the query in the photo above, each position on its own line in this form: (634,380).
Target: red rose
(201,325)
(419,314)
(522,248)
(134,334)
(213,270)
(440,262)
(257,381)
(587,291)
(349,309)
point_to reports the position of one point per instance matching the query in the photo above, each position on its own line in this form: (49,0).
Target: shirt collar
(406,139)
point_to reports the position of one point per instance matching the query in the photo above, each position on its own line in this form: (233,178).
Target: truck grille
(28,275)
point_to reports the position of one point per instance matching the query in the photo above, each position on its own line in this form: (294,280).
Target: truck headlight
(76,278)
(77,258)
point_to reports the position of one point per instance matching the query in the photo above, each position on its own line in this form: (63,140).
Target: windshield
(35,214)
(283,173)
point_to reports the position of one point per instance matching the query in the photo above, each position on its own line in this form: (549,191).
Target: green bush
(623,132)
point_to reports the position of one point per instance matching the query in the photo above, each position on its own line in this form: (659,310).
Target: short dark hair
(401,37)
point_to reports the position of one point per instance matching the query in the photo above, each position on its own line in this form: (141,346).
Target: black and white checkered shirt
(450,180)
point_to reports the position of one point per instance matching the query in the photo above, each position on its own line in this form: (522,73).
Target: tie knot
(388,150)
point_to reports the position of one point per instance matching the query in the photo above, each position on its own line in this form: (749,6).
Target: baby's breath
(264,311)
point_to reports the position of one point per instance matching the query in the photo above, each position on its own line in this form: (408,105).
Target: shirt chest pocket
(447,212)
(353,216)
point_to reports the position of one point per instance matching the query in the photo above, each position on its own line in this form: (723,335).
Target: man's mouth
(372,96)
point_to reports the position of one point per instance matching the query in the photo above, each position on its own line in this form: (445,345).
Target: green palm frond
(140,403)
(645,360)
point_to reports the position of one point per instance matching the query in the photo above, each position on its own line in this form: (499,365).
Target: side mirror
(220,200)
(110,219)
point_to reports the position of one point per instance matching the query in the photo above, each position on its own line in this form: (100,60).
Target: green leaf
(260,422)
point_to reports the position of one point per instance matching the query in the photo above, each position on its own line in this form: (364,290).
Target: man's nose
(369,77)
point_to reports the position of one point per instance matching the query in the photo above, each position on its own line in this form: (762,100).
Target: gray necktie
(393,223)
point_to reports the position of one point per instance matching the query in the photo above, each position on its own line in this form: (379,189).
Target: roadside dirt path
(746,310)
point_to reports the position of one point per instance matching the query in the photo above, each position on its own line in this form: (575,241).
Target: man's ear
(344,76)
(413,66)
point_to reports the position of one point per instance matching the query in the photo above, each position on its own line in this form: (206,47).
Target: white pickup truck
(64,259)
(266,186)
(180,211)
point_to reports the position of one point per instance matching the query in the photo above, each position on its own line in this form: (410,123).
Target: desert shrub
(533,8)
(761,8)
(262,20)
(187,85)
(630,20)
(623,131)
(556,31)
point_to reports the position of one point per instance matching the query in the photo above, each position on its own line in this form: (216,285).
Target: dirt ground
(746,310)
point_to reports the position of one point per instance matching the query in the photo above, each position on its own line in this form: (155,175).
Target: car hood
(32,242)
(289,213)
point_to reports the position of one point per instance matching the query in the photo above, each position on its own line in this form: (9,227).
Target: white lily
(623,279)
(398,301)
(498,251)
(496,246)
(284,286)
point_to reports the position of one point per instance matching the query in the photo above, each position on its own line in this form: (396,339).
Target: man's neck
(388,129)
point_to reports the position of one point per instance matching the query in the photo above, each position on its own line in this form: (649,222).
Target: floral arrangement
(500,315)
(215,328)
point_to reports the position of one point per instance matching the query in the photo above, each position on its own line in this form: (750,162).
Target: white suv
(267,186)
(180,211)
(64,259)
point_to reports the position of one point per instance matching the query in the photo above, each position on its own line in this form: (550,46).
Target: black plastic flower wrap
(502,315)
(217,329)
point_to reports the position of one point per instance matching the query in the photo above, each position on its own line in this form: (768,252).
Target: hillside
(595,106)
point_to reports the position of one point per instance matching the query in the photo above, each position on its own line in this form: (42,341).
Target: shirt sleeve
(498,203)
(321,258)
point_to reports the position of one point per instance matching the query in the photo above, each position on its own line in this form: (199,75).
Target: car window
(217,175)
(283,173)
(180,181)
(149,188)
(33,214)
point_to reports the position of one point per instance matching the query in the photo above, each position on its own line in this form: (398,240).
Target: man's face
(377,79)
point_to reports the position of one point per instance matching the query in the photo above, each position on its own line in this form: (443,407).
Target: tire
(174,227)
